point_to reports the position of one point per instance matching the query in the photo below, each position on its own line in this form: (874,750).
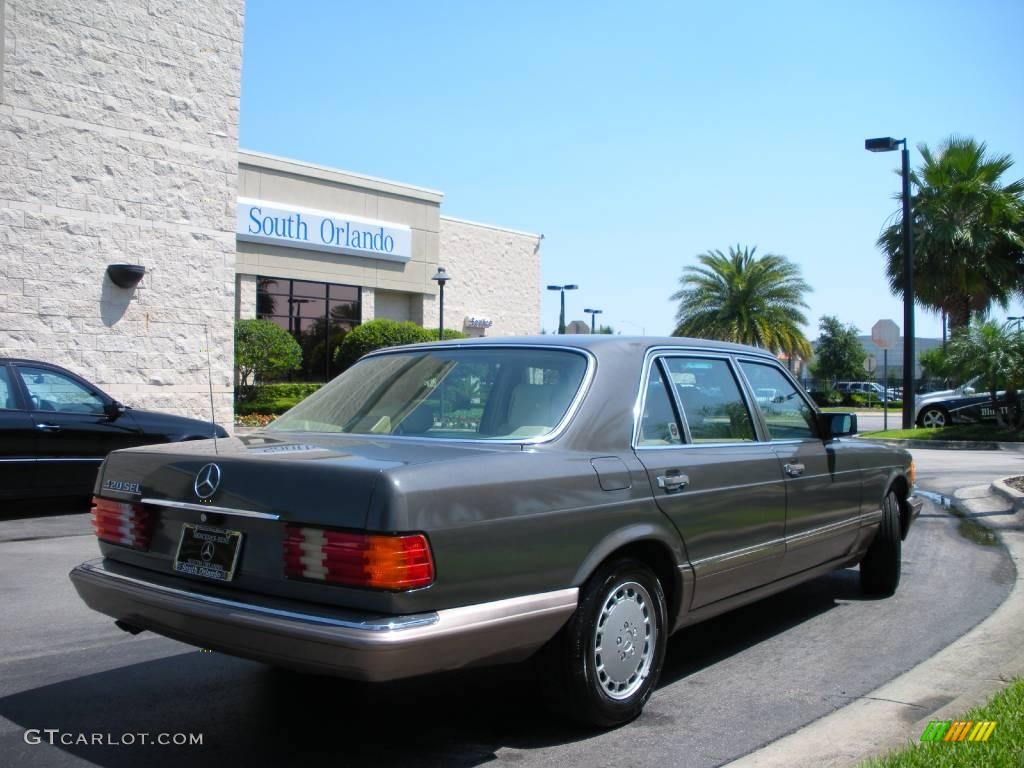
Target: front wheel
(602,667)
(933,418)
(880,568)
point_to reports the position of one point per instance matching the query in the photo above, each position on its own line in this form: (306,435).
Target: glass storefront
(318,315)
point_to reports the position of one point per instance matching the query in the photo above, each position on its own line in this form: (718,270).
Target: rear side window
(712,404)
(658,424)
(786,413)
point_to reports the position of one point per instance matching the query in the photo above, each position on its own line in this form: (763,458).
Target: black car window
(712,404)
(786,413)
(52,391)
(8,401)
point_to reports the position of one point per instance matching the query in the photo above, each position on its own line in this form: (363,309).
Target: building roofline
(337,175)
(534,235)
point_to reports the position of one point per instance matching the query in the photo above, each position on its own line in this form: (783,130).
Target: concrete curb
(1012,495)
(962,675)
(955,445)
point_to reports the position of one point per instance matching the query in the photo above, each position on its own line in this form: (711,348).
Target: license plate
(208,552)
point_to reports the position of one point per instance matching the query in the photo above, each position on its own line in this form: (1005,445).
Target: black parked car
(938,411)
(56,428)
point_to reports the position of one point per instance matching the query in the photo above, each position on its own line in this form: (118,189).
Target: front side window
(50,391)
(786,413)
(7,400)
(712,404)
(487,393)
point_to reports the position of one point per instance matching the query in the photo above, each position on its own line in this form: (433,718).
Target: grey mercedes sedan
(575,499)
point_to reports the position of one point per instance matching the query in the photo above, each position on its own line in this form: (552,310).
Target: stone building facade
(118,144)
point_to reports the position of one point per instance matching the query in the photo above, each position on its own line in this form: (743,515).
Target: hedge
(270,399)
(377,334)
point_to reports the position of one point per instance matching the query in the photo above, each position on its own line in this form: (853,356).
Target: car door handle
(794,470)
(674,481)
(49,427)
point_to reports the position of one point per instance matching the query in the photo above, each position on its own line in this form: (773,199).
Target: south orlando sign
(259,221)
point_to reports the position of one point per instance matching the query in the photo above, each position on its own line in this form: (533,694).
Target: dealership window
(318,315)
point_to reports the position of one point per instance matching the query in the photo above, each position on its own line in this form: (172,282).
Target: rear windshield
(478,394)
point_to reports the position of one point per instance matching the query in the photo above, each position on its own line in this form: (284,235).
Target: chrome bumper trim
(370,625)
(365,647)
(209,508)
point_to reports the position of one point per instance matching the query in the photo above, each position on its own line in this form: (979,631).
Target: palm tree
(995,355)
(968,232)
(744,298)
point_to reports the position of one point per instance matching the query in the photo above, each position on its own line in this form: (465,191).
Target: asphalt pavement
(730,685)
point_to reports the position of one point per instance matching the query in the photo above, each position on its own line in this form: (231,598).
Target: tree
(968,232)
(935,364)
(996,354)
(263,349)
(383,332)
(838,353)
(744,298)
(606,329)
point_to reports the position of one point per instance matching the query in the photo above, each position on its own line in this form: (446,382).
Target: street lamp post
(561,316)
(593,318)
(442,277)
(1017,320)
(889,144)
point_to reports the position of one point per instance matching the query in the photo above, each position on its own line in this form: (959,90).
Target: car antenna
(209,379)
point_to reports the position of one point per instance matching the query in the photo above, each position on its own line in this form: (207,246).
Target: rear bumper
(315,638)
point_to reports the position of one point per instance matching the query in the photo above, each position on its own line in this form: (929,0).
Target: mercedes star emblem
(207,552)
(207,481)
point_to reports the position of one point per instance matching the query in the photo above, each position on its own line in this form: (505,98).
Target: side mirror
(114,408)
(837,425)
(968,390)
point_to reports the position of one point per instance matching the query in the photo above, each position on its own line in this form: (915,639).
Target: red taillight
(358,560)
(121,522)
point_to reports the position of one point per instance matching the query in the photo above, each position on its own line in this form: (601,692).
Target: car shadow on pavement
(250,714)
(17,509)
(694,648)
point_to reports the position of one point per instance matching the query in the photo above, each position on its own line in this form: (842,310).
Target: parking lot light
(889,144)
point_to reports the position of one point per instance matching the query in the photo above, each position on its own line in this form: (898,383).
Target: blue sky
(635,136)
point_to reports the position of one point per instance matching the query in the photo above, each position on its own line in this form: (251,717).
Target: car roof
(4,360)
(597,342)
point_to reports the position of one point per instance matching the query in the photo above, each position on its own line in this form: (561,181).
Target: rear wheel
(880,568)
(602,667)
(934,417)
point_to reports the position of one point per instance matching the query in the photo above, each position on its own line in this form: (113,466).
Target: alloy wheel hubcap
(624,640)
(933,419)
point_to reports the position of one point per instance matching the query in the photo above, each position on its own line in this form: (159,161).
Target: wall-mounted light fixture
(126,275)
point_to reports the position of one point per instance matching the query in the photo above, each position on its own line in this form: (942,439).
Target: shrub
(827,398)
(274,398)
(263,349)
(254,419)
(449,334)
(377,334)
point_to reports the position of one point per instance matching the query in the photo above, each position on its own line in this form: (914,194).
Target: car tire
(880,567)
(599,677)
(934,417)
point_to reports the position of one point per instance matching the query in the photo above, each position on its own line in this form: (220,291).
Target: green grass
(1005,746)
(954,432)
(894,405)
